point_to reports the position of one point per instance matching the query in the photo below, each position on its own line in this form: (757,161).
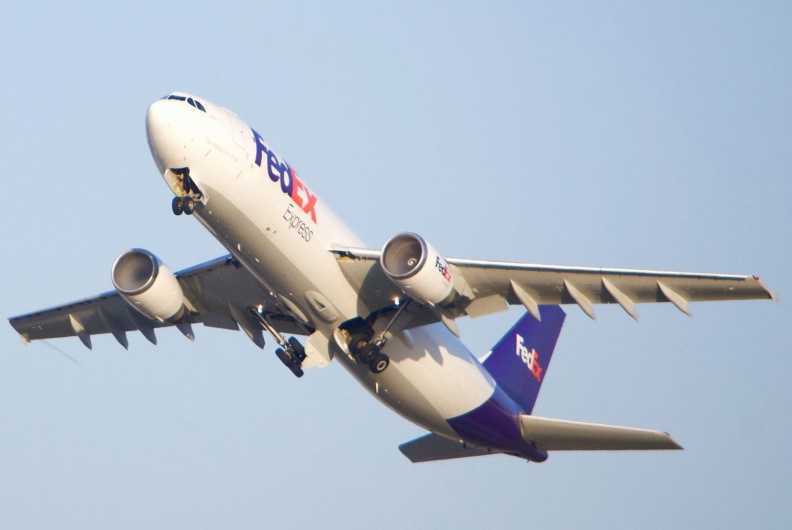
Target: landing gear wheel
(368,353)
(188,205)
(298,351)
(284,357)
(380,363)
(177,205)
(291,353)
(290,364)
(358,341)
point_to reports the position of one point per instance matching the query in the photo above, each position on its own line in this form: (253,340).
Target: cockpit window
(193,102)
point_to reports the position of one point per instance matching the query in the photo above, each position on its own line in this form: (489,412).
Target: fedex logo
(442,266)
(279,170)
(530,358)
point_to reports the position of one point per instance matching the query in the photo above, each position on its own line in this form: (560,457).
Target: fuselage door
(238,133)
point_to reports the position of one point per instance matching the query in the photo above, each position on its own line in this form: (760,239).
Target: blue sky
(630,134)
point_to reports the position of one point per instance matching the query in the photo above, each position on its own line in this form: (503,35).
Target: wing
(217,294)
(489,286)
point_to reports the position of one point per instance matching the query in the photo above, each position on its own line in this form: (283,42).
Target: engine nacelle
(148,285)
(418,269)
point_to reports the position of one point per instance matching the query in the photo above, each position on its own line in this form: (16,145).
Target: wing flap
(560,435)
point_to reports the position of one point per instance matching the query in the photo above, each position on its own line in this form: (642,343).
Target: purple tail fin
(519,361)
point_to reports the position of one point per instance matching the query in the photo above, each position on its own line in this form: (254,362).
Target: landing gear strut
(291,353)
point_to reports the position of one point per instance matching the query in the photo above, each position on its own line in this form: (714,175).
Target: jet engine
(418,269)
(148,285)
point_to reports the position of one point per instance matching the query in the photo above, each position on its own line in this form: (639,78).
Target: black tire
(358,341)
(284,357)
(177,206)
(297,348)
(188,205)
(290,364)
(368,353)
(380,363)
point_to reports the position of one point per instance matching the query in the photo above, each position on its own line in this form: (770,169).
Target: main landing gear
(186,203)
(291,353)
(366,349)
(366,346)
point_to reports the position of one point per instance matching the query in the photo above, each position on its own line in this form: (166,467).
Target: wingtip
(770,293)
(673,444)
(773,295)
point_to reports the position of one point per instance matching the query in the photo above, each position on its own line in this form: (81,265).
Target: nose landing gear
(185,203)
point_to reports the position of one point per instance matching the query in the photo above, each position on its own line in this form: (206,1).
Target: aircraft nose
(164,138)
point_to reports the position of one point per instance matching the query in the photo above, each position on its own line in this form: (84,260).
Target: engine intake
(148,285)
(418,269)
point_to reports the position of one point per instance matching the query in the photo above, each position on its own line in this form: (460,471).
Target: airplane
(387,315)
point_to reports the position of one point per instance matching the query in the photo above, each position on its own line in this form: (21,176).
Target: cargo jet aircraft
(388,316)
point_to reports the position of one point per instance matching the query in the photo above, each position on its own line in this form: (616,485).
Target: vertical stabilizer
(519,361)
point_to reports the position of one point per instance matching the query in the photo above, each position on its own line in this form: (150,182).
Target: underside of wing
(527,284)
(561,435)
(486,287)
(217,294)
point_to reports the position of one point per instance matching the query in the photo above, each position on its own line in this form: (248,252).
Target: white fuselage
(262,212)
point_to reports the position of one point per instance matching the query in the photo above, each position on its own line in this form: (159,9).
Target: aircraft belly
(433,381)
(443,369)
(394,389)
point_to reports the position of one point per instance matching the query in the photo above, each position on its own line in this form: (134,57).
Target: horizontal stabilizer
(560,435)
(435,447)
